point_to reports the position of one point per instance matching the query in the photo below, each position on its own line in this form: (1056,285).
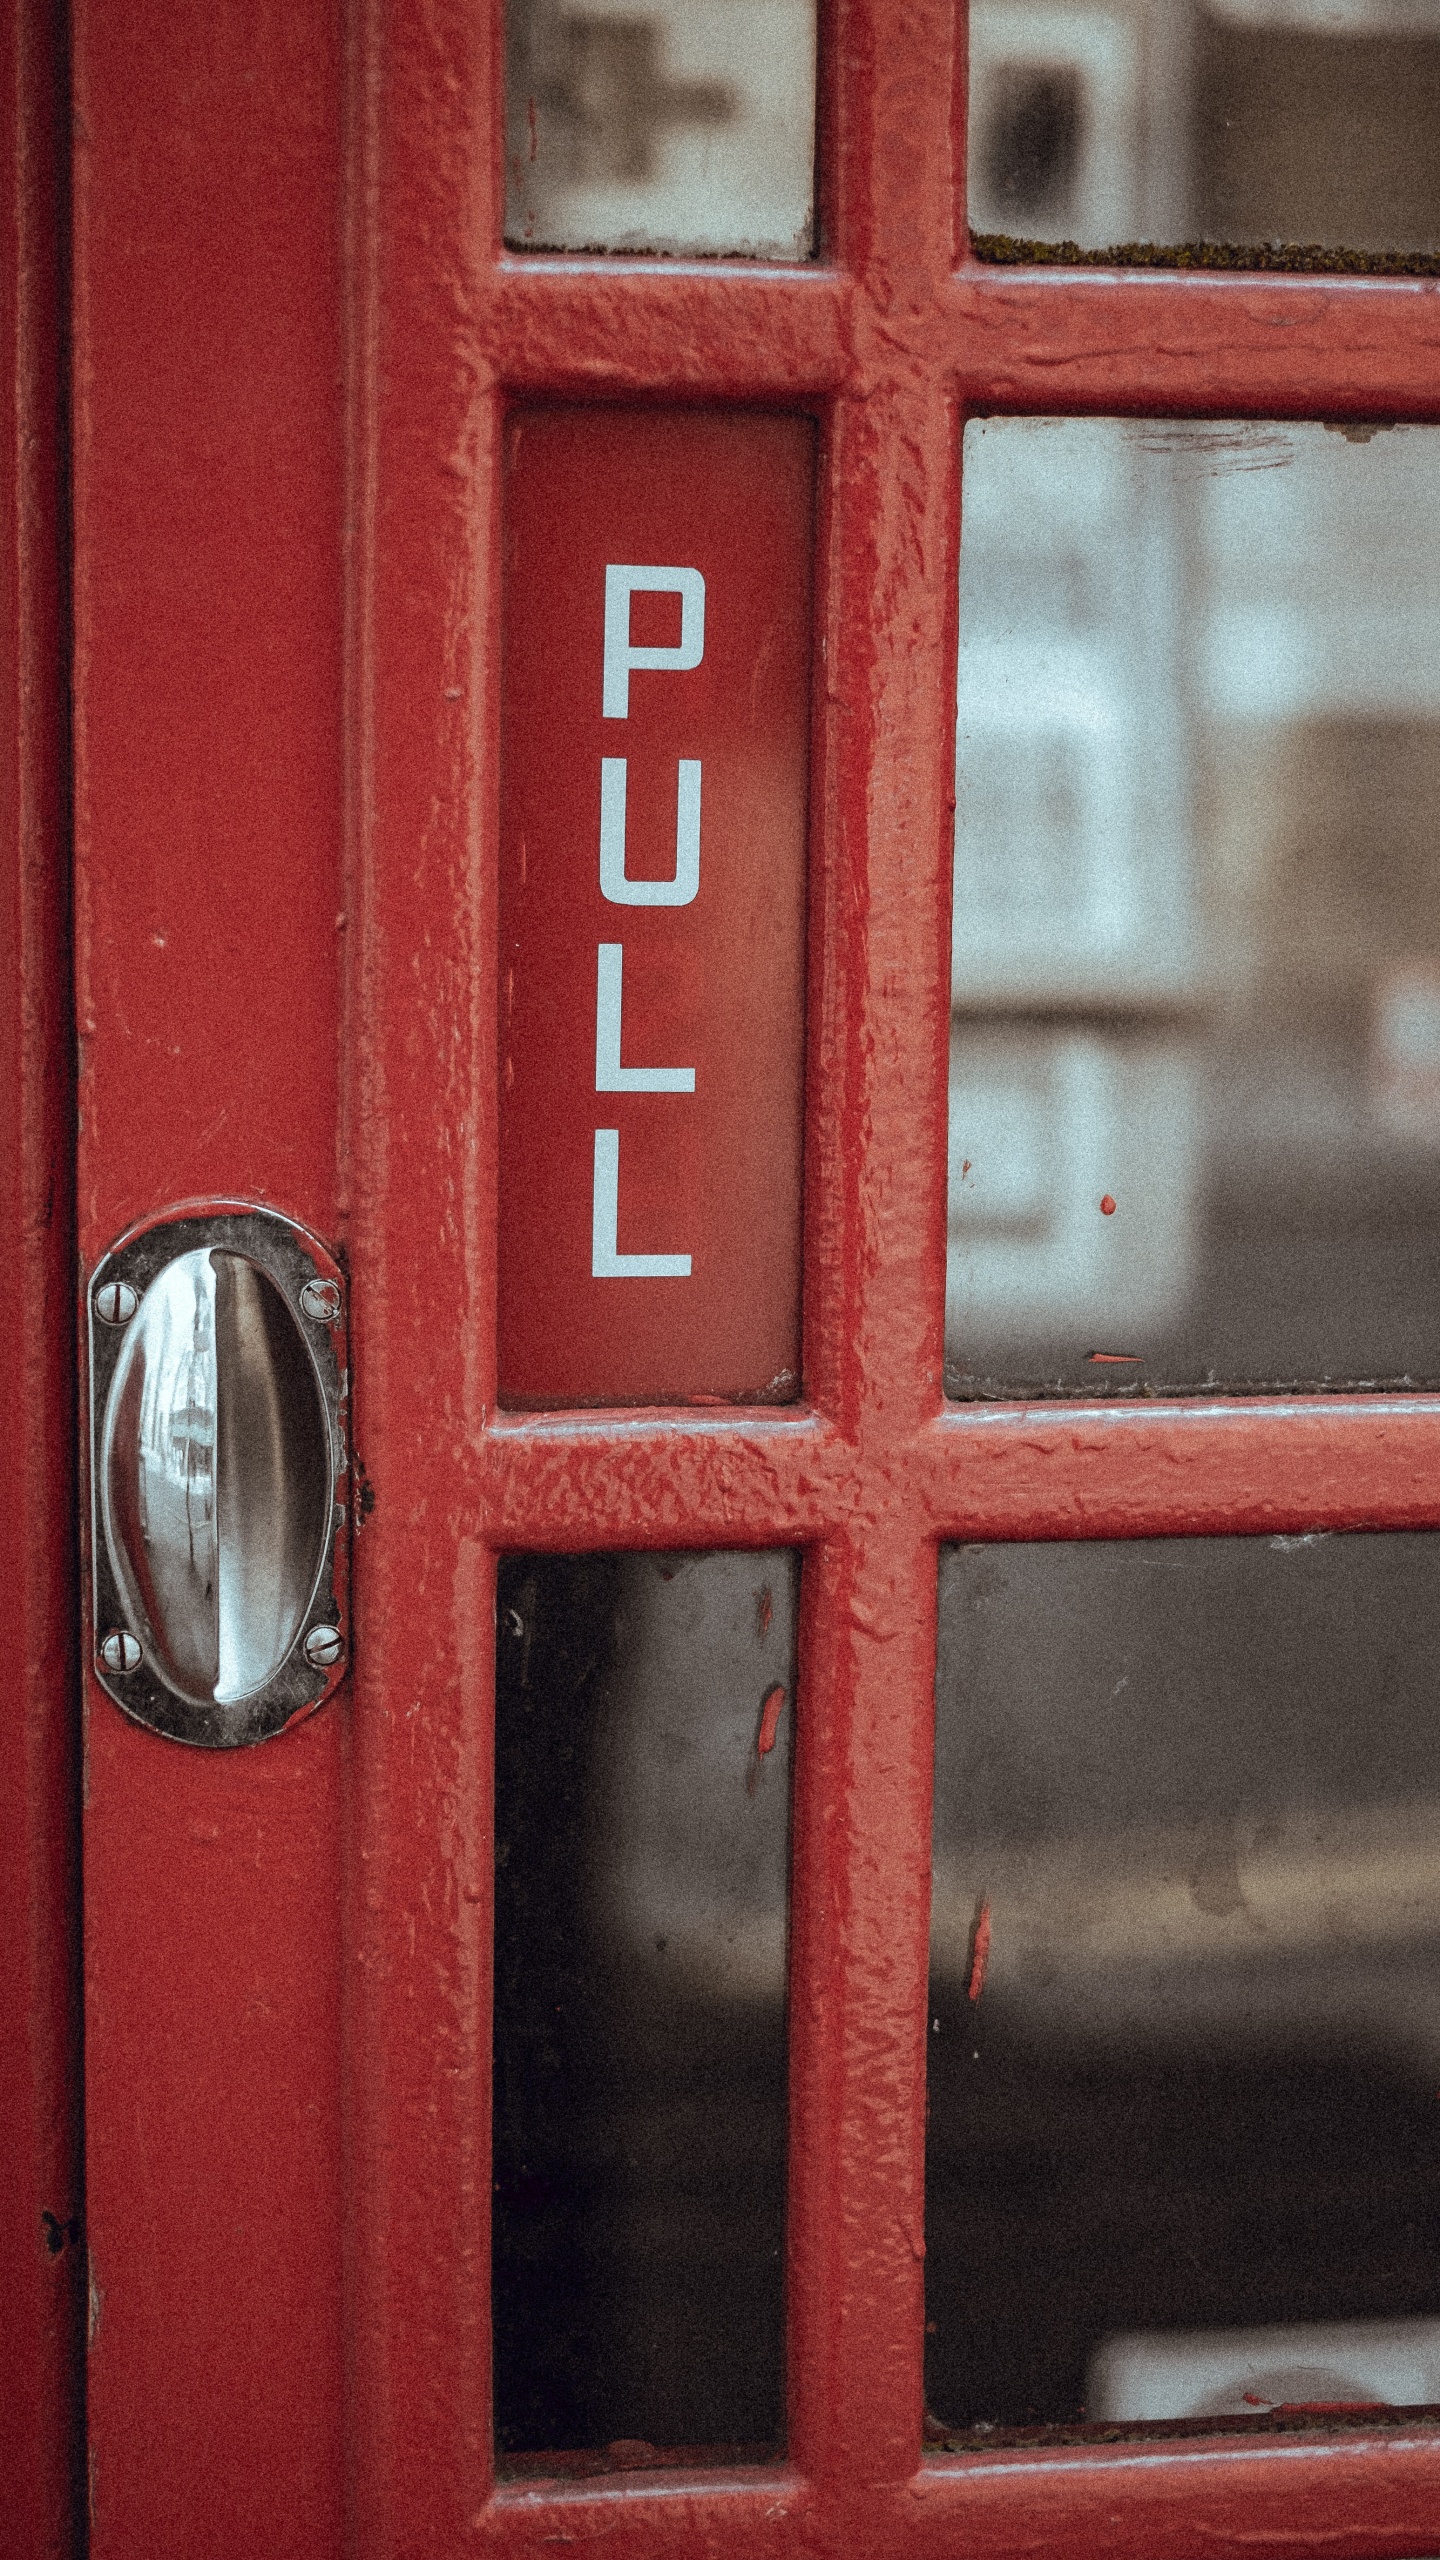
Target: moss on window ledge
(998,249)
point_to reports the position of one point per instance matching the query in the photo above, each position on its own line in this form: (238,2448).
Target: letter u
(614,882)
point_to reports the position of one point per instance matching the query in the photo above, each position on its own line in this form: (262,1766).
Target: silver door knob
(218,1385)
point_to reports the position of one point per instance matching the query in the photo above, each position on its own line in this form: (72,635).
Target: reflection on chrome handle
(217,1461)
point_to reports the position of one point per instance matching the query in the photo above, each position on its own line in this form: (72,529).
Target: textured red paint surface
(42,2256)
(715,986)
(210,564)
(208,513)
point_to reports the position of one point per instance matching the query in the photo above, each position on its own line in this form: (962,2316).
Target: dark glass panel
(643,1730)
(1184,2133)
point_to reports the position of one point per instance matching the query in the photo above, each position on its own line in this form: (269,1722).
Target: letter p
(620,657)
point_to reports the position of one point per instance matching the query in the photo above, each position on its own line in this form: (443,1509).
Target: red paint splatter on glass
(980,1951)
(1325,2408)
(770,1713)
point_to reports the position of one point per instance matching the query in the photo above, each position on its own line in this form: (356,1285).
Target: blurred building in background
(1197,907)
(1250,121)
(685,126)
(1196,953)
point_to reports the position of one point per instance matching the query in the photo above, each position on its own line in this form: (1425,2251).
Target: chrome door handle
(218,1473)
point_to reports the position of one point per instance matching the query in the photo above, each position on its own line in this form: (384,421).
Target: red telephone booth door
(318,418)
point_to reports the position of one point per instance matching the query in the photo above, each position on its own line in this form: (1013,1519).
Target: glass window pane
(1195,1084)
(1270,124)
(644,1707)
(1184,2137)
(679,125)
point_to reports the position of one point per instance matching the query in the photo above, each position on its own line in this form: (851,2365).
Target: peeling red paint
(1323,2408)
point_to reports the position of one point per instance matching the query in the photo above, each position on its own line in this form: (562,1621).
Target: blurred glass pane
(1185,1996)
(1258,122)
(1195,1080)
(679,125)
(644,1705)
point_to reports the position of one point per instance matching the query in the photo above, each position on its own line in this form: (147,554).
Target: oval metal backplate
(219,1473)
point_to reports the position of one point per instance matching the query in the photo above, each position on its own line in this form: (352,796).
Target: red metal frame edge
(1193,344)
(418,1169)
(42,2254)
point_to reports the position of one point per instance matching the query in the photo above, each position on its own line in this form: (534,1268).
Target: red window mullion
(875,1257)
(607,330)
(1354,2498)
(584,1480)
(1195,344)
(875,1261)
(1248,1467)
(1201,1468)
(419,1131)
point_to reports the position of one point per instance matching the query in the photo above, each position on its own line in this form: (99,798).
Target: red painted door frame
(42,2256)
(296,337)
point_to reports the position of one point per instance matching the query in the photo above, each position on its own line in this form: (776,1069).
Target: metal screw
(323,1647)
(119,1652)
(321,1300)
(115,1301)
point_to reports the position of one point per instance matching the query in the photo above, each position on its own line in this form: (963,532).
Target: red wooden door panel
(297,342)
(208,496)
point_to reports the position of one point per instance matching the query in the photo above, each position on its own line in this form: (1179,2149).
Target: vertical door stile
(42,2252)
(874,1250)
(420,1171)
(208,514)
